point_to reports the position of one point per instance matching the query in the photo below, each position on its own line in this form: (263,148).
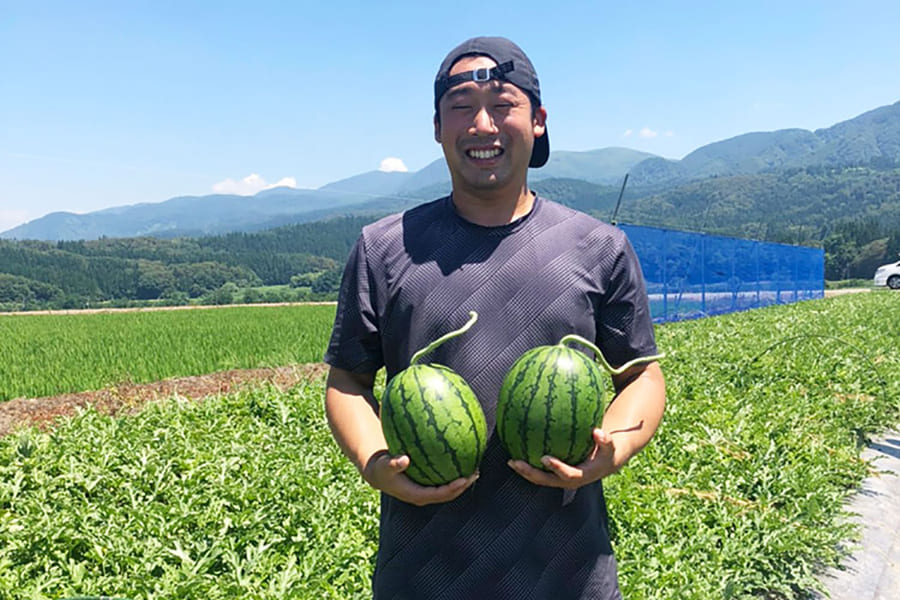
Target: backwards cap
(512,66)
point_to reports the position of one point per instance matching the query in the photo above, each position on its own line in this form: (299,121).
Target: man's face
(487,130)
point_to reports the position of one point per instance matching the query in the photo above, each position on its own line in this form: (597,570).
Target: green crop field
(41,355)
(247,496)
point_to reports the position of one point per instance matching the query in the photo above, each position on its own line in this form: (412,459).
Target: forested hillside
(852,212)
(74,274)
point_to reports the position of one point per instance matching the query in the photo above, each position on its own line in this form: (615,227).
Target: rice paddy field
(42,355)
(246,496)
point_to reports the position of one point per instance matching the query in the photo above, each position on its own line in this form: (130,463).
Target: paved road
(842,291)
(873,571)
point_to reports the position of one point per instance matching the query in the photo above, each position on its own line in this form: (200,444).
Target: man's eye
(460,107)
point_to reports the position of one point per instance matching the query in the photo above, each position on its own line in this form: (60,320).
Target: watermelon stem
(473,316)
(602,360)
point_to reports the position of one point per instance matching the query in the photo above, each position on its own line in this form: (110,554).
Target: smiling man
(535,271)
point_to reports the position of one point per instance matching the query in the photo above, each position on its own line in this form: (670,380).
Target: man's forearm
(350,408)
(636,412)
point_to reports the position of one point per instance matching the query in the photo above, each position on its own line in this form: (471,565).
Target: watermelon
(551,400)
(429,413)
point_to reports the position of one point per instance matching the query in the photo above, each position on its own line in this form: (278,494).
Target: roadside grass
(42,355)
(838,284)
(246,496)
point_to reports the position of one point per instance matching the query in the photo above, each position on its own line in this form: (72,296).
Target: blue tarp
(691,275)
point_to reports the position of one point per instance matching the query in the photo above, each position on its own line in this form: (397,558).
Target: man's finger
(602,441)
(601,437)
(535,476)
(422,495)
(399,463)
(562,470)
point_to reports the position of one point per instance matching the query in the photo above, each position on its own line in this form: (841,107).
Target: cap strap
(482,74)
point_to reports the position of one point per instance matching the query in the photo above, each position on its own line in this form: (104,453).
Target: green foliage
(740,494)
(22,292)
(149,268)
(781,202)
(838,284)
(41,355)
(244,496)
(855,249)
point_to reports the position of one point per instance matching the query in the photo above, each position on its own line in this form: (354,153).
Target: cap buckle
(481,74)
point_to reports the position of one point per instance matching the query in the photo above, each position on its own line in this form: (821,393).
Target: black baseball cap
(512,66)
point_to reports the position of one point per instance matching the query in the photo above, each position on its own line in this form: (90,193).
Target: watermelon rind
(550,401)
(430,413)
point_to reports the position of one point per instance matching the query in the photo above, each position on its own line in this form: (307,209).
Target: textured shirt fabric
(413,277)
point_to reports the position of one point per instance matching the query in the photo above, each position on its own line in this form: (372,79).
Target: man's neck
(493,208)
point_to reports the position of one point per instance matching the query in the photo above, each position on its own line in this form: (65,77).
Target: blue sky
(112,103)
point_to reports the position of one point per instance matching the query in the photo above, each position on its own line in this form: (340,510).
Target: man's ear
(437,129)
(540,121)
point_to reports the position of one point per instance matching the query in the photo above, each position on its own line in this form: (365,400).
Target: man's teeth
(483,154)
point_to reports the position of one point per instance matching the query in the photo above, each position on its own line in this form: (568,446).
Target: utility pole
(619,201)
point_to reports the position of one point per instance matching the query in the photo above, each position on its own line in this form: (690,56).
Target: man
(534,271)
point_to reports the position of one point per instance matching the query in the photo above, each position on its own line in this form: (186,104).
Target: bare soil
(91,311)
(128,398)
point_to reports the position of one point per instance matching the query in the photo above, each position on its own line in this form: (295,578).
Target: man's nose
(483,124)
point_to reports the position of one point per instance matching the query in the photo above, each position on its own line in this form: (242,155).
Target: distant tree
(328,282)
(225,294)
(253,296)
(303,279)
(892,250)
(273,296)
(840,250)
(175,297)
(154,280)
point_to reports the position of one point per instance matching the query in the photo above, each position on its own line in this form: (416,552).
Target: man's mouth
(484,154)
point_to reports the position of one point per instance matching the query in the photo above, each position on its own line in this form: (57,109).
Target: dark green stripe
(406,414)
(480,442)
(532,390)
(432,421)
(552,359)
(574,387)
(518,372)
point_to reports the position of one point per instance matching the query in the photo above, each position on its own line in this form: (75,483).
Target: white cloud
(250,185)
(627,133)
(646,132)
(12,218)
(391,164)
(670,134)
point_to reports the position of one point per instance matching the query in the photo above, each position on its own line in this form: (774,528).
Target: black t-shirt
(415,276)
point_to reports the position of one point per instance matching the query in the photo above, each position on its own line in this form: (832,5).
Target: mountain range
(870,139)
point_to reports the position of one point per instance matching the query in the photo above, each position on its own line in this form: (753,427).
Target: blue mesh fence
(692,275)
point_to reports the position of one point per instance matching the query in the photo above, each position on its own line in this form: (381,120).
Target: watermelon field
(245,495)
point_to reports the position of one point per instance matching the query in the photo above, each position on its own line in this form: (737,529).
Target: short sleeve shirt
(415,276)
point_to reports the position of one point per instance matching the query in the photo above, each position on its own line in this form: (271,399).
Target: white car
(888,275)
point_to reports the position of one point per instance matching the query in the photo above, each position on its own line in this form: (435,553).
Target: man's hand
(386,473)
(599,463)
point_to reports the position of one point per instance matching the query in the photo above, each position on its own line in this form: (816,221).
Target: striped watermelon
(429,413)
(551,400)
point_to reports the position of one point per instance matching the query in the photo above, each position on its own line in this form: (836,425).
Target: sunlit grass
(42,355)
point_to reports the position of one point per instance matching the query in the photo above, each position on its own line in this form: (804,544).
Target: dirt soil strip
(90,311)
(128,398)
